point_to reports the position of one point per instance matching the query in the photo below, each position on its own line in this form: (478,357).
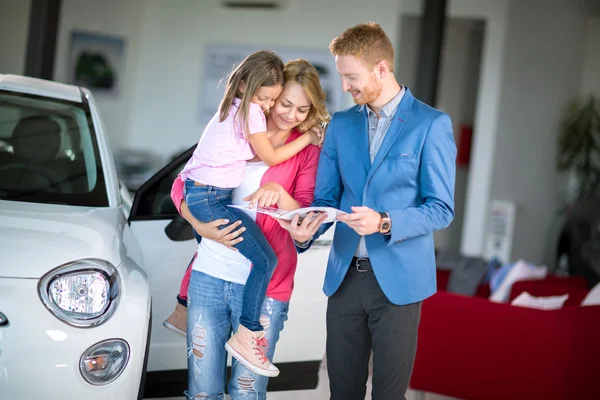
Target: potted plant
(578,152)
(579,146)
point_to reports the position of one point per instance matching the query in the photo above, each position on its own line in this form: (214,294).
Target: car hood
(36,238)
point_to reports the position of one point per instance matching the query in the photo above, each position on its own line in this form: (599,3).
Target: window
(49,152)
(153,198)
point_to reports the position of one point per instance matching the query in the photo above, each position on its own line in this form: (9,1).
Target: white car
(88,274)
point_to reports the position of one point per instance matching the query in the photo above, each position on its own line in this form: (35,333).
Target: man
(389,162)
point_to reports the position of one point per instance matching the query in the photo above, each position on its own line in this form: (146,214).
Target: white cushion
(593,297)
(541,303)
(521,271)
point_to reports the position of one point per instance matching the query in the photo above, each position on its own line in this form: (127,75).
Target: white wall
(115,18)
(541,73)
(170,67)
(520,38)
(493,13)
(406,64)
(14,28)
(456,94)
(457,90)
(590,81)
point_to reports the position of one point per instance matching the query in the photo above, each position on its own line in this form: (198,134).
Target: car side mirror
(179,230)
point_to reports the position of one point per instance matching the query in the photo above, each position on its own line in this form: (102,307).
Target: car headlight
(104,362)
(83,293)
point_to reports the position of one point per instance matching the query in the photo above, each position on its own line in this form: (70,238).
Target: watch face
(385,226)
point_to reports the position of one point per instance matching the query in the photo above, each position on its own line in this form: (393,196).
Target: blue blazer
(412,178)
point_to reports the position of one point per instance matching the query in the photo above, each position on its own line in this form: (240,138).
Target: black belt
(361,264)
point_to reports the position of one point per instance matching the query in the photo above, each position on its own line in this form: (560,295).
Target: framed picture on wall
(96,61)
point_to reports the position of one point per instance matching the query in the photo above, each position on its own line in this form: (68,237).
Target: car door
(167,244)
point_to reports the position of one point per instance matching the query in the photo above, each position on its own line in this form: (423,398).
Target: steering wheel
(53,182)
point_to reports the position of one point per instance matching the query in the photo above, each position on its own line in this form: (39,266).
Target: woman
(219,273)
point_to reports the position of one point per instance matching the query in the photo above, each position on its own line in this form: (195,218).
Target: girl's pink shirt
(223,150)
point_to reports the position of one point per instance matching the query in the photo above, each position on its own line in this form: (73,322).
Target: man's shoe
(177,321)
(248,348)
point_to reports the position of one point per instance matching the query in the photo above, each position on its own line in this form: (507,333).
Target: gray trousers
(360,318)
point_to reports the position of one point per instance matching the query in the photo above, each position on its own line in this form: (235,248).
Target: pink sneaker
(177,321)
(247,347)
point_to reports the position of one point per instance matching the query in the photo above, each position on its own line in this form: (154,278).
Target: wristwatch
(385,224)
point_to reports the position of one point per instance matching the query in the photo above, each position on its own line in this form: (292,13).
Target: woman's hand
(303,231)
(227,236)
(266,196)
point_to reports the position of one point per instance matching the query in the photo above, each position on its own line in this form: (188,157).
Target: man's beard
(370,93)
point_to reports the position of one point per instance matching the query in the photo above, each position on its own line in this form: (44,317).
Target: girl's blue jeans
(209,203)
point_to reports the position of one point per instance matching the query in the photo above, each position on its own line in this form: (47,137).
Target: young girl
(233,136)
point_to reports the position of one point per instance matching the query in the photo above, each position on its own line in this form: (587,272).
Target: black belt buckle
(357,264)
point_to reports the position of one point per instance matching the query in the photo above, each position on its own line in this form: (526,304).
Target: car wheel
(563,260)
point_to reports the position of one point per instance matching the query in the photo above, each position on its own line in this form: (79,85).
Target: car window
(153,198)
(49,152)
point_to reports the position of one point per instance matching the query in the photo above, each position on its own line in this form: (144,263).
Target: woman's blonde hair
(262,68)
(306,75)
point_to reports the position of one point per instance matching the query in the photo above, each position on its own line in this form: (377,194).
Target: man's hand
(303,232)
(266,196)
(363,220)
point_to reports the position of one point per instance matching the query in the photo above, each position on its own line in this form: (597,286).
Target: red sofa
(472,349)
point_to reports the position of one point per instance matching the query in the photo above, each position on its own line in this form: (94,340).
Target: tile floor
(322,392)
(320,395)
(314,395)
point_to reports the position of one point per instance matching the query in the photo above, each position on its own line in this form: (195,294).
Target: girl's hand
(320,134)
(266,196)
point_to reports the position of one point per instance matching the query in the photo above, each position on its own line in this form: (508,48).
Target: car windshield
(49,152)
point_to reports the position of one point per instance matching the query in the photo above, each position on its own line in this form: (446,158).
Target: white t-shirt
(218,261)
